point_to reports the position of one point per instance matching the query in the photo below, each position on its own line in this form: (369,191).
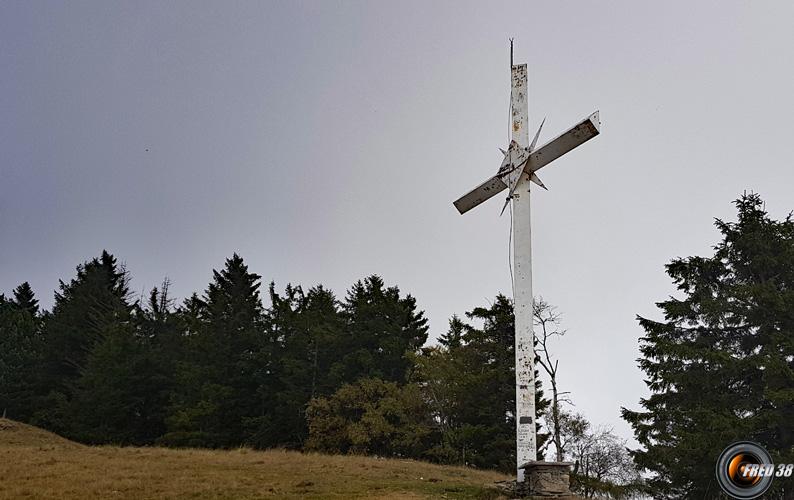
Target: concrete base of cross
(543,481)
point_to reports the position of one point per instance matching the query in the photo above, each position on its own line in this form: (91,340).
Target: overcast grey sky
(325,141)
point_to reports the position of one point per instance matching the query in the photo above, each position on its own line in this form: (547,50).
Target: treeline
(311,371)
(308,371)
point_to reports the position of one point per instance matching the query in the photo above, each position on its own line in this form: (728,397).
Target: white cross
(519,167)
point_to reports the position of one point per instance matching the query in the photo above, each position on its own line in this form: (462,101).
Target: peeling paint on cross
(518,170)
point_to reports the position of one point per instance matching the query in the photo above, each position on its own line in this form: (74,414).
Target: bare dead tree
(548,320)
(603,466)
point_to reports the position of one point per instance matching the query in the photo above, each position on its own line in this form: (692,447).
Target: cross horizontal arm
(484,191)
(568,140)
(563,143)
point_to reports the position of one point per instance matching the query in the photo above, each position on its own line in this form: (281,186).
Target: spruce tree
(20,353)
(161,331)
(220,382)
(382,331)
(305,329)
(720,364)
(24,298)
(87,309)
(117,397)
(470,382)
(123,391)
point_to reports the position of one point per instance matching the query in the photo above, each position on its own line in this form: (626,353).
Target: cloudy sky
(325,141)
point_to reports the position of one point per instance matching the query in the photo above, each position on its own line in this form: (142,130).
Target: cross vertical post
(526,448)
(519,167)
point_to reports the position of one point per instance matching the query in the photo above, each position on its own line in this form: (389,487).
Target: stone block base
(543,481)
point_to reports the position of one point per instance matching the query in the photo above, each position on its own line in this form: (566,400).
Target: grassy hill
(38,464)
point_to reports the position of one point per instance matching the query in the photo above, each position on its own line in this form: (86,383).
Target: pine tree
(720,366)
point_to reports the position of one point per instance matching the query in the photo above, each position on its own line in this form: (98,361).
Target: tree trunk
(555,416)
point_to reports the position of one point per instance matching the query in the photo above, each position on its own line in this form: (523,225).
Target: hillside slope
(38,464)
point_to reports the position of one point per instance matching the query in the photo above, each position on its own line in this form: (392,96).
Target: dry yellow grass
(38,464)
